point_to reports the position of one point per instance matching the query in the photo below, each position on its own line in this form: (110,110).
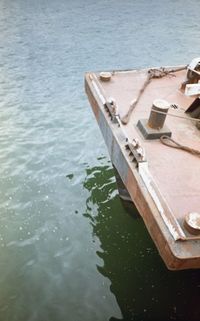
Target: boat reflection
(144,288)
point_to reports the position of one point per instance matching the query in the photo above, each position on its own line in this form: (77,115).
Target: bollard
(156,119)
(192,223)
(154,127)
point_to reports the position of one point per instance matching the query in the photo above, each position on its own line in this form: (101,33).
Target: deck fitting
(192,223)
(150,133)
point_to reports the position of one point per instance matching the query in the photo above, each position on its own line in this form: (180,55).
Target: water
(68,249)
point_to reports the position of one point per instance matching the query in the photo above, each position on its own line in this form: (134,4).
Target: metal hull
(177,252)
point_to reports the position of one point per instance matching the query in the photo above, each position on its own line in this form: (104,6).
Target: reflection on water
(143,287)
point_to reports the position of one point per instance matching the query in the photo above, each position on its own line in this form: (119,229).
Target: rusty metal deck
(167,189)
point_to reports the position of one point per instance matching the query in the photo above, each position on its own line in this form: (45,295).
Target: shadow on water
(143,287)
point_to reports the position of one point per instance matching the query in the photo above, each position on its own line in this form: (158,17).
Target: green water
(69,250)
(144,289)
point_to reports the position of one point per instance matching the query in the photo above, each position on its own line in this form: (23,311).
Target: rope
(173,115)
(165,140)
(126,118)
(151,74)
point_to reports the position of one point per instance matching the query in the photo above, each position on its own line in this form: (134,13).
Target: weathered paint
(162,226)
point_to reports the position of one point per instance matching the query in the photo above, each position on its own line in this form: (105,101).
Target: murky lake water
(68,249)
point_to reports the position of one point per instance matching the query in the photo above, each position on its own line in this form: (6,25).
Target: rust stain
(166,166)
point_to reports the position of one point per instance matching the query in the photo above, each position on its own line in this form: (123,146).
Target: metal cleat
(137,151)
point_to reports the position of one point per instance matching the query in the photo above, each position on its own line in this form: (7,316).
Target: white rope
(173,115)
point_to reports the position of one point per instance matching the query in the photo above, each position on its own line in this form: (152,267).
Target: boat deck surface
(175,173)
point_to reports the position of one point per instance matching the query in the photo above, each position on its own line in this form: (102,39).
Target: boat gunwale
(170,250)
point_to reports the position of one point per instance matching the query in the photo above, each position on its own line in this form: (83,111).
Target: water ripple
(55,208)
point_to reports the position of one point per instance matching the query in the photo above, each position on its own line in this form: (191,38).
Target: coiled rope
(168,141)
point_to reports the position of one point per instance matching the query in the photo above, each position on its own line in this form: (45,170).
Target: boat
(150,121)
